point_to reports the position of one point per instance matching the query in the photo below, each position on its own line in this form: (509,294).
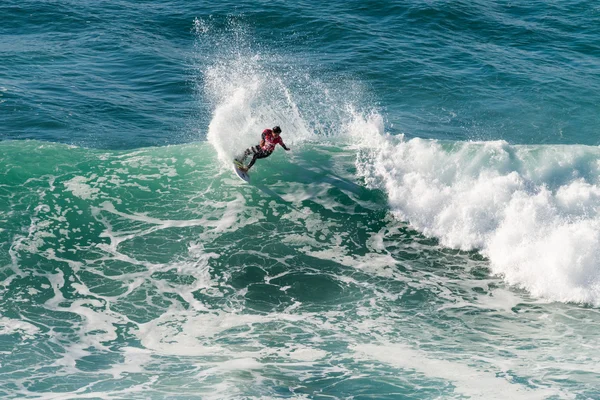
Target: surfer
(270,139)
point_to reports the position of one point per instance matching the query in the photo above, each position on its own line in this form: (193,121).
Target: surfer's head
(277,129)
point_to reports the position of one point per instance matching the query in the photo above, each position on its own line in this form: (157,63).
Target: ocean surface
(434,232)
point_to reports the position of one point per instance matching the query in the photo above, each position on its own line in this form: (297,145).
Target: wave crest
(534,211)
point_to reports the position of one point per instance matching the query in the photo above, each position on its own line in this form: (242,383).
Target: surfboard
(242,174)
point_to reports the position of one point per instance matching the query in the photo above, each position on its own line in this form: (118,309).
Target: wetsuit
(268,146)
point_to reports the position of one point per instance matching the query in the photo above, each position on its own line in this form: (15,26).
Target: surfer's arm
(262,139)
(283,145)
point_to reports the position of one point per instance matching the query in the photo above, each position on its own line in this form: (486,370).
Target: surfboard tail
(241,172)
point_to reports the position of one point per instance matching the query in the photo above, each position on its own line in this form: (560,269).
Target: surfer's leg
(252,161)
(247,152)
(257,155)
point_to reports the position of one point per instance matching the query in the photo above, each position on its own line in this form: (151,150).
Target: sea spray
(250,88)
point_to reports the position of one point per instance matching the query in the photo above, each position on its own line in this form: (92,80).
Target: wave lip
(534,211)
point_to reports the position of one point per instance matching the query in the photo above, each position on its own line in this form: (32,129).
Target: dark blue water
(433,233)
(122,74)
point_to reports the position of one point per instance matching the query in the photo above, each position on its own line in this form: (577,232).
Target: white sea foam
(534,211)
(79,186)
(10,326)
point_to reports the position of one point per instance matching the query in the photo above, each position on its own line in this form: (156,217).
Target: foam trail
(469,381)
(534,211)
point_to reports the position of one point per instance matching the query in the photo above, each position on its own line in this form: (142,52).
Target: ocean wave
(534,211)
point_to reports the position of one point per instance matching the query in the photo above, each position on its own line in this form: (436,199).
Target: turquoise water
(434,232)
